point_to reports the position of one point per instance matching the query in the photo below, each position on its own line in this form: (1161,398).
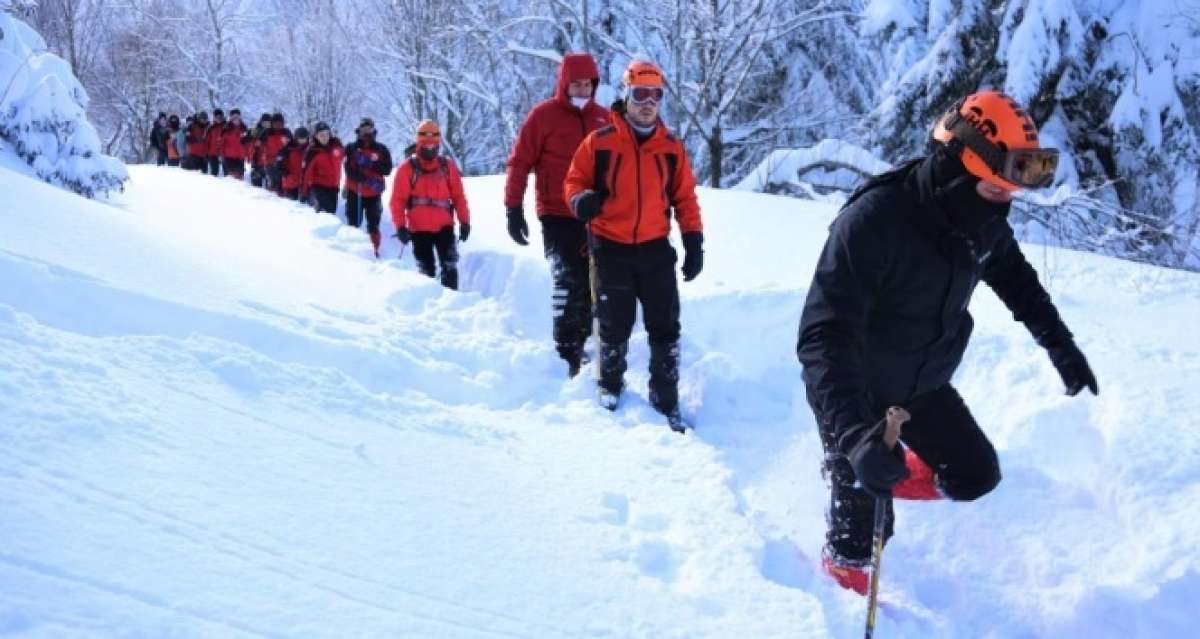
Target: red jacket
(290,162)
(232,146)
(213,139)
(428,202)
(273,143)
(323,165)
(367,164)
(641,183)
(548,139)
(196,146)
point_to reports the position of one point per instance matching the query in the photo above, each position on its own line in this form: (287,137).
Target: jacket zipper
(637,159)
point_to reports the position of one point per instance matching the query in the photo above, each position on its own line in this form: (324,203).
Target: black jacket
(886,317)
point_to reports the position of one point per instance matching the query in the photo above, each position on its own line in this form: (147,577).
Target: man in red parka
(322,170)
(197,157)
(427,193)
(274,140)
(233,150)
(213,141)
(547,141)
(624,181)
(290,163)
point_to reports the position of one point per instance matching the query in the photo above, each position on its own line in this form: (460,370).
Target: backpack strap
(444,170)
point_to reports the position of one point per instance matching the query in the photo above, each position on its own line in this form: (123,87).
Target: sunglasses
(642,95)
(427,134)
(1027,168)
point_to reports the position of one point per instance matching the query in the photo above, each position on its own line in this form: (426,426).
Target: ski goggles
(429,134)
(642,95)
(1027,168)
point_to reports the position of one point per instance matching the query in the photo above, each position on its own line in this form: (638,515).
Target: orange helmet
(428,133)
(641,73)
(998,141)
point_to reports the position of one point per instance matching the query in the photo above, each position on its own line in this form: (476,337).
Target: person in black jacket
(886,321)
(158,138)
(368,163)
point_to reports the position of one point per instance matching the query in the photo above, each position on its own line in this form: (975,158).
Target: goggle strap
(965,132)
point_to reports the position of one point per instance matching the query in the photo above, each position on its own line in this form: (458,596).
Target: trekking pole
(896,417)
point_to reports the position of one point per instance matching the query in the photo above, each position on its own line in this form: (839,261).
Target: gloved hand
(1073,368)
(362,160)
(877,467)
(464,231)
(518,230)
(376,184)
(586,205)
(403,235)
(693,258)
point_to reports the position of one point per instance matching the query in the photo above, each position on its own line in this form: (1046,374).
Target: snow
(829,165)
(42,114)
(221,417)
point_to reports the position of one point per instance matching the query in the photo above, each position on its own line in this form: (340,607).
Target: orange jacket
(428,203)
(640,183)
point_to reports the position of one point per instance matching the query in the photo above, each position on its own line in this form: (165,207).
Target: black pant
(565,242)
(943,434)
(234,167)
(357,206)
(161,156)
(257,176)
(324,199)
(446,245)
(214,165)
(174,162)
(627,274)
(291,194)
(192,163)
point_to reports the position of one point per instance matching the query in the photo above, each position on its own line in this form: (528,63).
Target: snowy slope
(219,417)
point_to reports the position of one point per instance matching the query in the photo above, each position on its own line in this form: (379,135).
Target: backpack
(443,170)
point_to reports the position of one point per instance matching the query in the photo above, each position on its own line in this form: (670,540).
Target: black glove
(518,230)
(878,469)
(587,205)
(403,235)
(693,258)
(464,231)
(1073,367)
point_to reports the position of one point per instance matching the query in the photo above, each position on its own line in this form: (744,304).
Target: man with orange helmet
(427,194)
(886,321)
(547,141)
(624,181)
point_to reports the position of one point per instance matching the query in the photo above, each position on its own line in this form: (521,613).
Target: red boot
(847,574)
(921,484)
(375,242)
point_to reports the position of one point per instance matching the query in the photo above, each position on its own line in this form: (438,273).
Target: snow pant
(942,433)
(234,167)
(174,162)
(214,166)
(291,194)
(201,163)
(565,243)
(446,246)
(257,176)
(324,199)
(192,163)
(372,207)
(274,181)
(160,156)
(627,274)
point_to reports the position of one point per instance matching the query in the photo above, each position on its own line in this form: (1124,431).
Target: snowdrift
(220,417)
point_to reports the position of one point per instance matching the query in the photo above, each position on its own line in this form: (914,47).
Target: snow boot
(375,238)
(921,484)
(611,373)
(676,422)
(851,575)
(664,383)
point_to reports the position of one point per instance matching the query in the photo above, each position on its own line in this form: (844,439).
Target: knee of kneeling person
(973,487)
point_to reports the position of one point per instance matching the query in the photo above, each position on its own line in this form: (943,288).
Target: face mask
(428,152)
(580,102)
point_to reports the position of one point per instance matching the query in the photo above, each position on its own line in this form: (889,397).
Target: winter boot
(664,378)
(851,575)
(573,355)
(612,373)
(450,278)
(375,238)
(921,484)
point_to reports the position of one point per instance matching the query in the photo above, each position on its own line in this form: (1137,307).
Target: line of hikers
(886,321)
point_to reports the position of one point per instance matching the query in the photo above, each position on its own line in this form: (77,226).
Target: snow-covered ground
(219,417)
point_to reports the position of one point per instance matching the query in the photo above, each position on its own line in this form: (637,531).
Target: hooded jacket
(641,183)
(232,137)
(322,165)
(214,139)
(429,203)
(196,145)
(290,162)
(547,141)
(886,316)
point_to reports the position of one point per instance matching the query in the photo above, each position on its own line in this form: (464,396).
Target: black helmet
(277,117)
(301,132)
(321,126)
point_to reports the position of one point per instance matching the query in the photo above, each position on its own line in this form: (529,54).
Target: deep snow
(220,417)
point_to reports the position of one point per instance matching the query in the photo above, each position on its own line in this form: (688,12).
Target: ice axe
(895,419)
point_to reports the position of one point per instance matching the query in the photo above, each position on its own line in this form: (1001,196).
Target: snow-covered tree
(42,115)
